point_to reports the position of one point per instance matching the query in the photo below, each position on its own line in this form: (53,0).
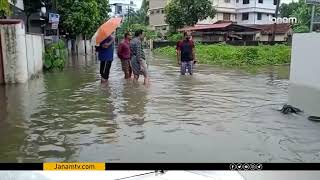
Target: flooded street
(217,115)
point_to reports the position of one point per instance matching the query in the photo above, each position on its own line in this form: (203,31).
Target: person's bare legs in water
(145,81)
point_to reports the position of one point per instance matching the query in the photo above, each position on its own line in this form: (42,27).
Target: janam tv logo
(280,20)
(74,166)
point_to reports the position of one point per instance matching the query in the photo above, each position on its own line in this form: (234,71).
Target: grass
(239,56)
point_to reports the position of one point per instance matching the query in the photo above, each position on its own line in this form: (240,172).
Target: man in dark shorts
(125,55)
(186,54)
(106,50)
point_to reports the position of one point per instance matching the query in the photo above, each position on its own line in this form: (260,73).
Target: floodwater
(217,115)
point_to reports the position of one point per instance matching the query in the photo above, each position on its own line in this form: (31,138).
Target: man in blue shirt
(106,51)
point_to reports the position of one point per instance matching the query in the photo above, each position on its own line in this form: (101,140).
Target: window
(227,1)
(275,2)
(246,1)
(119,9)
(226,16)
(260,1)
(151,12)
(158,11)
(162,11)
(164,28)
(237,1)
(259,16)
(245,16)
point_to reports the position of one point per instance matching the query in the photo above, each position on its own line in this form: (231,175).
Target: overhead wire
(136,175)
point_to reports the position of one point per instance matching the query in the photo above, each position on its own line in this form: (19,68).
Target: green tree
(286,10)
(138,17)
(5,9)
(145,8)
(104,10)
(136,20)
(188,12)
(302,12)
(132,27)
(82,17)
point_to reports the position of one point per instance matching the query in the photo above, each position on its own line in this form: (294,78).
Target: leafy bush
(55,56)
(227,55)
(175,37)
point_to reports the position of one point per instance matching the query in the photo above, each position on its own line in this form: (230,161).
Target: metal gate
(1,63)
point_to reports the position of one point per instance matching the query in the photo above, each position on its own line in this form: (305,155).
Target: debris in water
(286,109)
(314,118)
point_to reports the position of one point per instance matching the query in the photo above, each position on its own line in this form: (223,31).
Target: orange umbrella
(107,29)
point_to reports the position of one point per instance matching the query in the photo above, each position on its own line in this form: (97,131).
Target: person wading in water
(138,59)
(106,50)
(186,54)
(124,55)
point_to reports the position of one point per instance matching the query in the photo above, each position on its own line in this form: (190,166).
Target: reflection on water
(217,115)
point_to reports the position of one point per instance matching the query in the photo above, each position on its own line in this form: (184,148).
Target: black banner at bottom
(179,166)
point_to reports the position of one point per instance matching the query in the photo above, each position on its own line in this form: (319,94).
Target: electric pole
(275,24)
(312,17)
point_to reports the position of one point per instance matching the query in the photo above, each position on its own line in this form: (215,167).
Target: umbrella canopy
(107,29)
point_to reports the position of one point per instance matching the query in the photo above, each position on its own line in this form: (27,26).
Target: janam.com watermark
(280,20)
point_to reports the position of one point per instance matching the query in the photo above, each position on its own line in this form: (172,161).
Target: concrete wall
(156,17)
(35,50)
(80,45)
(304,91)
(305,63)
(14,53)
(156,14)
(22,54)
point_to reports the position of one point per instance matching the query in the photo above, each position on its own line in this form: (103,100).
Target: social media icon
(232,167)
(239,166)
(246,167)
(259,167)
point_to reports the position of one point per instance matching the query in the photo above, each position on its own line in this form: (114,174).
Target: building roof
(268,28)
(220,25)
(198,27)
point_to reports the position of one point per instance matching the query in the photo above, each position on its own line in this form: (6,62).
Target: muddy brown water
(217,115)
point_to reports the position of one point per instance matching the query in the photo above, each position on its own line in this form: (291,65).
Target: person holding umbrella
(104,39)
(106,57)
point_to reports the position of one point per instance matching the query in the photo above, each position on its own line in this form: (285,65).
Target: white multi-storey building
(121,7)
(243,11)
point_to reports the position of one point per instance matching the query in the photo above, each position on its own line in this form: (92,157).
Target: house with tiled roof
(283,32)
(227,30)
